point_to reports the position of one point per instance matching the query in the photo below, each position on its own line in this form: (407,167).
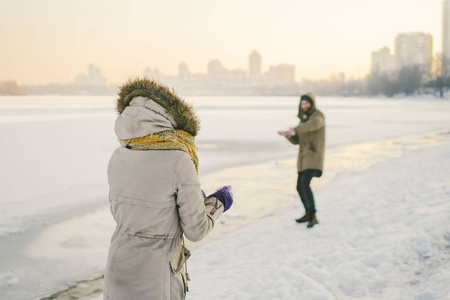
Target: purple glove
(225,196)
(204,195)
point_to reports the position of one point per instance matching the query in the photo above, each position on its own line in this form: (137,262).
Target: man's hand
(288,133)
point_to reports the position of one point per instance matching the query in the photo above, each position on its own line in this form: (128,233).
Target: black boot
(303,219)
(312,221)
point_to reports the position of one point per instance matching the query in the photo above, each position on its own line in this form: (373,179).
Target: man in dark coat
(310,135)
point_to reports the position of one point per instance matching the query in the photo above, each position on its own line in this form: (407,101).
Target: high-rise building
(382,61)
(414,49)
(283,74)
(255,64)
(183,70)
(216,69)
(92,78)
(446,38)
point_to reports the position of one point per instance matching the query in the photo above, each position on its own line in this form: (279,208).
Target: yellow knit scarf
(166,140)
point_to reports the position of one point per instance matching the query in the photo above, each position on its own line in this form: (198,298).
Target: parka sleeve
(197,216)
(294,139)
(314,123)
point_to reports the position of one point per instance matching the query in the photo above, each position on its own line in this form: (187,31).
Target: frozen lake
(56,149)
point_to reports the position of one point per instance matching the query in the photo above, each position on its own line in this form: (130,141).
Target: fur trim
(182,112)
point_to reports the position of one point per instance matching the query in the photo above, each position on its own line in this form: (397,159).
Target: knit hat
(312,100)
(306,98)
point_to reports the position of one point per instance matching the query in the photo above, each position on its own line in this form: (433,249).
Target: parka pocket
(178,286)
(178,260)
(176,265)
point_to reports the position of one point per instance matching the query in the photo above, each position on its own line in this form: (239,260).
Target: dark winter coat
(155,198)
(310,135)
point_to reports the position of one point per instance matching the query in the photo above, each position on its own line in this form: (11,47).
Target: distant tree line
(406,81)
(410,80)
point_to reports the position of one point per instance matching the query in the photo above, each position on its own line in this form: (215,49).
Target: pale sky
(52,41)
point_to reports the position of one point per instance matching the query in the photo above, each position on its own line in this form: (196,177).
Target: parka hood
(182,112)
(141,118)
(301,115)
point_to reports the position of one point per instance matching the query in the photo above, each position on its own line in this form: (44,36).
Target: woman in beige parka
(155,195)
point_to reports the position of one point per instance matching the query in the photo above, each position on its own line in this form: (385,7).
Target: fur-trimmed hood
(181,111)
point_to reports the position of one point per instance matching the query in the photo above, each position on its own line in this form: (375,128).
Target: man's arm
(291,135)
(316,122)
(293,139)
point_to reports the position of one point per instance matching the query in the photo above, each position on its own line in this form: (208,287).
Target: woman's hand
(225,196)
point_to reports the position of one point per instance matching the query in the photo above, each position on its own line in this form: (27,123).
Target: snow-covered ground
(384,229)
(54,219)
(384,233)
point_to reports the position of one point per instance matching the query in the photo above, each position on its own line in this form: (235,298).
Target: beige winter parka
(155,198)
(310,135)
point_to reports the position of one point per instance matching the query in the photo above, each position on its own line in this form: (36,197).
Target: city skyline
(213,69)
(53,42)
(412,49)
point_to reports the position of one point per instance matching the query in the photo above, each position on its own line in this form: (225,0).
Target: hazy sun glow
(54,41)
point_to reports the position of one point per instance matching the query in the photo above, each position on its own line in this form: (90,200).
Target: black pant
(304,190)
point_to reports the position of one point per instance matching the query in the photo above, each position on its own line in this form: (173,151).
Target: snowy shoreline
(383,234)
(269,181)
(54,180)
